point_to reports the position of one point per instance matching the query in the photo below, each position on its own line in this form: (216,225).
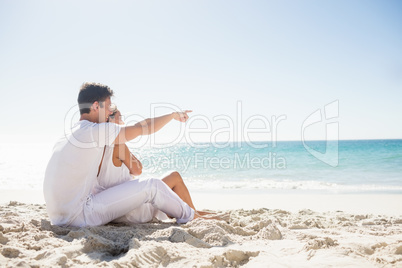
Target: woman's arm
(122,153)
(136,166)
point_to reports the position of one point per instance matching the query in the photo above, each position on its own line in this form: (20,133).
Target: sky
(251,69)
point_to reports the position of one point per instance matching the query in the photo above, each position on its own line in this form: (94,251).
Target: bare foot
(203,213)
(209,216)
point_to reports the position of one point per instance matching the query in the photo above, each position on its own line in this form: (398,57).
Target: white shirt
(72,170)
(109,174)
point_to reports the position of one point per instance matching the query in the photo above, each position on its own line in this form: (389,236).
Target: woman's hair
(91,92)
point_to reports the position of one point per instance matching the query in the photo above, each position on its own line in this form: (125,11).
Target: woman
(119,165)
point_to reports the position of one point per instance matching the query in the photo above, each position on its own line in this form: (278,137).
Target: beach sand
(261,237)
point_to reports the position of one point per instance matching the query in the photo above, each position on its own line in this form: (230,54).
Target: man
(72,171)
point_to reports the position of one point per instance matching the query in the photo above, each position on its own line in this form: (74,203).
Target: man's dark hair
(91,92)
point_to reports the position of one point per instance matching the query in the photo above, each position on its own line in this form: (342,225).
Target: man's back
(72,169)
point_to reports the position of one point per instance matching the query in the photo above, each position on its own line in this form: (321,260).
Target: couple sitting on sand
(88,182)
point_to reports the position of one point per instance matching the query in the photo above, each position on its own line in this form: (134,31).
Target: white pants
(131,198)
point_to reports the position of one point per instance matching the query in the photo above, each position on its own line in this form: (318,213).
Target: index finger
(187,111)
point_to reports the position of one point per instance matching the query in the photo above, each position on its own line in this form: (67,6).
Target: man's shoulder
(94,134)
(86,123)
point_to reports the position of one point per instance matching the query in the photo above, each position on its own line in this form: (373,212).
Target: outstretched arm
(148,126)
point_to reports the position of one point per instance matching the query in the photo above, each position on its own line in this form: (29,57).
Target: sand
(247,238)
(293,201)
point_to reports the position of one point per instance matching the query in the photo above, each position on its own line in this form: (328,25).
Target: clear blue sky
(276,57)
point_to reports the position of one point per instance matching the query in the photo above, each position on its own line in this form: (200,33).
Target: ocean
(347,166)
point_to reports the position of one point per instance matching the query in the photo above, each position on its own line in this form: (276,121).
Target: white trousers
(136,202)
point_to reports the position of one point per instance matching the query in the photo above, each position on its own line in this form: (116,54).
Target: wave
(309,185)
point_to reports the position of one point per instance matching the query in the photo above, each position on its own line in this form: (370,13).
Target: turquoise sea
(355,166)
(362,165)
